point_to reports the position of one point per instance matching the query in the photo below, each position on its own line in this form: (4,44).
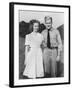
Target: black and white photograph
(40,52)
(41,44)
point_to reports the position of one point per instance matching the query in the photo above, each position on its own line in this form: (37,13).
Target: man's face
(48,23)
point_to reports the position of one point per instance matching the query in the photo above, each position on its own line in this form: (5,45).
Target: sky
(58,17)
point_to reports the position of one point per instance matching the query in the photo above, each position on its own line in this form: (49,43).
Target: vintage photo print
(41,45)
(51,67)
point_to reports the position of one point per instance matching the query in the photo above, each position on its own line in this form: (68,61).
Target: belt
(53,47)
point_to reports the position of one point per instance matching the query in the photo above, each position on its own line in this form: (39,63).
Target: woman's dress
(34,58)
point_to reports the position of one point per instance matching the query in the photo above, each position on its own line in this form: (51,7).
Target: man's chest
(52,35)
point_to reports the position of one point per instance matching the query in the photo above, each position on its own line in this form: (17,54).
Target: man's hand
(58,58)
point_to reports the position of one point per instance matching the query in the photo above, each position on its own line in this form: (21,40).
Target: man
(52,47)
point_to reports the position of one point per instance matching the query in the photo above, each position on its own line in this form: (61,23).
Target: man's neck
(50,29)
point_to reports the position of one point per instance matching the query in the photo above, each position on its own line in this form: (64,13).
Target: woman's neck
(34,32)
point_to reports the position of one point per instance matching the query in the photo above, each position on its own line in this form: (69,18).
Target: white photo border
(15,62)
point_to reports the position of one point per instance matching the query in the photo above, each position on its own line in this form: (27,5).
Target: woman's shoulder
(40,35)
(44,31)
(28,35)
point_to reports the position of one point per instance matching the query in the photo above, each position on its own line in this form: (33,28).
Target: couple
(42,50)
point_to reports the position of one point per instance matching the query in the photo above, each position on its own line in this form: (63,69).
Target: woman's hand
(58,58)
(25,63)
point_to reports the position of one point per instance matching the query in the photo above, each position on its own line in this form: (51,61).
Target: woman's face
(35,27)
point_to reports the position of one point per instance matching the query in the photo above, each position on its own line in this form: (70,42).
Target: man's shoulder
(44,31)
(55,30)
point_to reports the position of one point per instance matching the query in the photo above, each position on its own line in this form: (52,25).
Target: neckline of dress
(34,33)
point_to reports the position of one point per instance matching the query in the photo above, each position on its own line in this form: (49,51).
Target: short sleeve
(27,40)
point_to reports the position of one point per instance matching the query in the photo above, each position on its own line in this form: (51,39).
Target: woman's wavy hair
(31,24)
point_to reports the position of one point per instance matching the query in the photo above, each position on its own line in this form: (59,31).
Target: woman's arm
(44,41)
(26,47)
(43,45)
(26,52)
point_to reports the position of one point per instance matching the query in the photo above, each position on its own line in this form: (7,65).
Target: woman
(33,52)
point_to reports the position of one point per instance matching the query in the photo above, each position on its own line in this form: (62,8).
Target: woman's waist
(34,46)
